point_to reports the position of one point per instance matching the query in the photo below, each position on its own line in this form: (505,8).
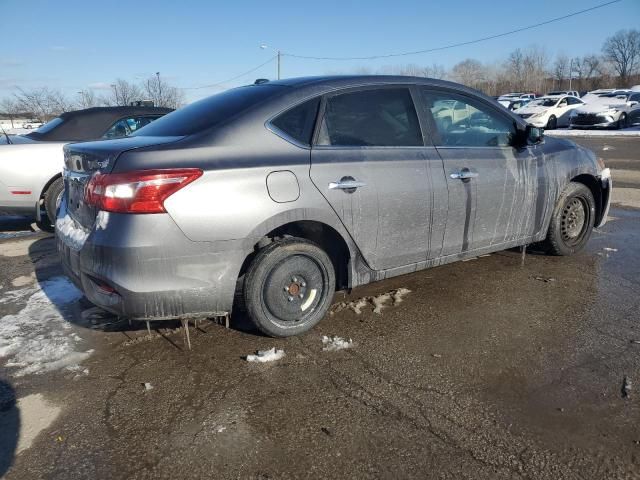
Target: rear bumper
(144,268)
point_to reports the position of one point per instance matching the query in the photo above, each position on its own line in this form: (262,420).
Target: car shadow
(9,426)
(12,226)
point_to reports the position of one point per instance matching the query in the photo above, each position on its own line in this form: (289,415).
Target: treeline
(45,103)
(532,69)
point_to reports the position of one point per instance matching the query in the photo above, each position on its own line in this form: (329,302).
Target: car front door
(492,185)
(370,163)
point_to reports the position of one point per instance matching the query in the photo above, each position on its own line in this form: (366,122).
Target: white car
(618,109)
(555,93)
(31,165)
(550,112)
(32,124)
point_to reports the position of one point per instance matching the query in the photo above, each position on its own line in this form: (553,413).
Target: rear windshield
(209,111)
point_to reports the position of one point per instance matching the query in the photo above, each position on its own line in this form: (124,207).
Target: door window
(381,118)
(573,101)
(126,126)
(478,125)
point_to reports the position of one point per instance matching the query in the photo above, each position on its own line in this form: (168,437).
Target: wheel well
(319,233)
(592,184)
(46,187)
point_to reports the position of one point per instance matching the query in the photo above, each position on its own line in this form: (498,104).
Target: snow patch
(102,220)
(37,338)
(378,302)
(23,280)
(18,248)
(263,356)
(633,131)
(609,249)
(331,344)
(73,235)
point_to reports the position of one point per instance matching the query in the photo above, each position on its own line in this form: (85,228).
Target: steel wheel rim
(574,220)
(293,290)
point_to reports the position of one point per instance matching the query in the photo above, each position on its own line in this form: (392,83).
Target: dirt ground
(492,368)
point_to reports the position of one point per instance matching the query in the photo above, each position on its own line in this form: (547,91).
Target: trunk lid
(83,160)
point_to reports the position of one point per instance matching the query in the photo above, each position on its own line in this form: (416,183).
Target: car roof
(91,123)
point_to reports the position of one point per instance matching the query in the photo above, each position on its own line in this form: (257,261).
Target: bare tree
(11,108)
(122,93)
(622,50)
(514,67)
(560,69)
(162,93)
(87,99)
(44,103)
(469,72)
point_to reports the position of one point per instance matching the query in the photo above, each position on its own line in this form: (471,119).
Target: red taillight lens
(141,191)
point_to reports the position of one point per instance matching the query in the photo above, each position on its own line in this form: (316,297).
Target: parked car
(514,104)
(550,112)
(618,109)
(31,165)
(573,93)
(281,193)
(32,124)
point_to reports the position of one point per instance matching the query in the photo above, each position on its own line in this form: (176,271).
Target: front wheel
(572,220)
(552,123)
(289,287)
(622,122)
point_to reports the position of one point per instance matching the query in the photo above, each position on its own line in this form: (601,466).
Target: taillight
(141,191)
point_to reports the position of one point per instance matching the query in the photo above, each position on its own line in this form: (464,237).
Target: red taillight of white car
(141,191)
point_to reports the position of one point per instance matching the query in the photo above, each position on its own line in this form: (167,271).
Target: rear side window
(298,122)
(209,112)
(382,118)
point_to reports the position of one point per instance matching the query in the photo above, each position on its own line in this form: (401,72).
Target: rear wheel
(289,287)
(52,199)
(572,220)
(552,123)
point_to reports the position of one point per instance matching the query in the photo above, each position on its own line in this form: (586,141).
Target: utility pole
(570,72)
(278,55)
(159,90)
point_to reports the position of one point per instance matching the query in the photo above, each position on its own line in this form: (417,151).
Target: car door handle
(464,174)
(346,185)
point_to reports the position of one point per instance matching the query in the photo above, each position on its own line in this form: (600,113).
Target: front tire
(622,121)
(552,123)
(289,287)
(572,220)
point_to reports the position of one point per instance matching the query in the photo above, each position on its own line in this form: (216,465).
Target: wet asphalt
(492,368)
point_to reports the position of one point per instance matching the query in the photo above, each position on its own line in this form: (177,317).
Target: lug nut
(290,299)
(303,284)
(301,295)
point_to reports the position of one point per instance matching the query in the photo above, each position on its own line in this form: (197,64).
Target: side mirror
(534,135)
(633,103)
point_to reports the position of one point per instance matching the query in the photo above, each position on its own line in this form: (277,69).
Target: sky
(73,45)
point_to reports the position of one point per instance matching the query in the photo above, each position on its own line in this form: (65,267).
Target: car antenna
(9,142)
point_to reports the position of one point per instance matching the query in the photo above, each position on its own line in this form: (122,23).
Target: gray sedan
(276,195)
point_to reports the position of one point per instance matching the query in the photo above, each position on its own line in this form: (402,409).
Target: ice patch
(37,338)
(609,249)
(263,356)
(331,344)
(74,235)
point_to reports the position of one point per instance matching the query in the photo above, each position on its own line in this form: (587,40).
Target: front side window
(479,126)
(298,122)
(384,117)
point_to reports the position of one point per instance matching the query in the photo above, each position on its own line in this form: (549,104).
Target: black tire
(552,123)
(622,121)
(281,287)
(572,220)
(52,198)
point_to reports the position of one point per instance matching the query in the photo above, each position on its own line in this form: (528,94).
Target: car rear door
(492,186)
(370,163)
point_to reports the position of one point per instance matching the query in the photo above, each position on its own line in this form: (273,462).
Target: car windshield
(619,96)
(544,102)
(210,111)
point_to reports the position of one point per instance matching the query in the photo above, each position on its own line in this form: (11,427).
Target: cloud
(100,86)
(11,63)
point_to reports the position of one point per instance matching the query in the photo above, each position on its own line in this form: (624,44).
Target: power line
(483,39)
(232,78)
